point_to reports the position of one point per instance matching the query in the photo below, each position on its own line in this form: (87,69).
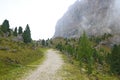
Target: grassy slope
(15,58)
(71,71)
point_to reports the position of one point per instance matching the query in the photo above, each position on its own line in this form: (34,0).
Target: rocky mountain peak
(96,17)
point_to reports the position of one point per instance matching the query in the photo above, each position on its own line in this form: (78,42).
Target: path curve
(48,70)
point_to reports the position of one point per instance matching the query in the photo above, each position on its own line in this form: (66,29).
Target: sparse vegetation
(71,71)
(15,56)
(90,55)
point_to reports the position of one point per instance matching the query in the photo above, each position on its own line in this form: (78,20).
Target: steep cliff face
(96,17)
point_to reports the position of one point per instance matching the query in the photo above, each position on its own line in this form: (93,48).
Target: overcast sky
(41,15)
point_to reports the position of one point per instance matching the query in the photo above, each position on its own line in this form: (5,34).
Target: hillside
(96,17)
(17,51)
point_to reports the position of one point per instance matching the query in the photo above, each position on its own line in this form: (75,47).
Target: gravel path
(47,70)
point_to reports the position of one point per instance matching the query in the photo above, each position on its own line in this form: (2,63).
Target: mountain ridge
(95,17)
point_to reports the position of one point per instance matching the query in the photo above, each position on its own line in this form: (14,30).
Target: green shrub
(114,59)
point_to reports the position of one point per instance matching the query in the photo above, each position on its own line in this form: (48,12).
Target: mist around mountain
(95,17)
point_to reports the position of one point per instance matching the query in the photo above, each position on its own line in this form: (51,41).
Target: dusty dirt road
(47,70)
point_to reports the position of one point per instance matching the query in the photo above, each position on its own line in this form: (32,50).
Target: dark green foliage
(1,32)
(114,59)
(27,35)
(85,52)
(20,30)
(15,32)
(89,53)
(106,36)
(70,49)
(43,42)
(59,46)
(98,39)
(97,56)
(10,32)
(47,42)
(5,26)
(51,42)
(79,49)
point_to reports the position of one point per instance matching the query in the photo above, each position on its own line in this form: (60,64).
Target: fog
(96,17)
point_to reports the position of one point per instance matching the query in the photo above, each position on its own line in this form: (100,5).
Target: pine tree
(15,32)
(43,42)
(85,52)
(27,35)
(5,26)
(20,30)
(114,59)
